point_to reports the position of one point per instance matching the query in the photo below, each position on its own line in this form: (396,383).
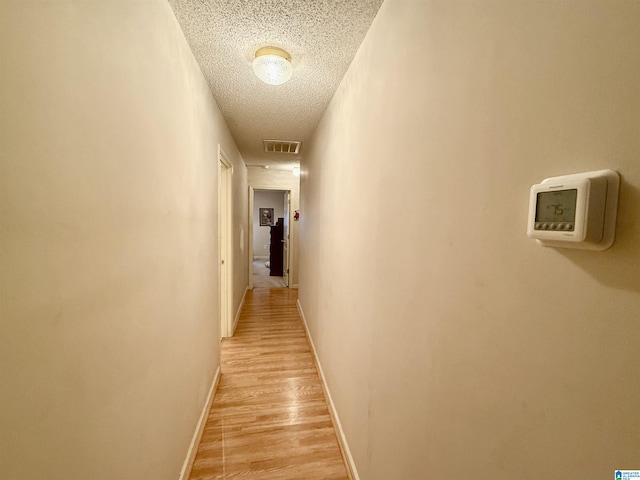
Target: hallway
(269,418)
(135,138)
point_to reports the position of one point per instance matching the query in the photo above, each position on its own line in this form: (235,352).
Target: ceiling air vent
(281,146)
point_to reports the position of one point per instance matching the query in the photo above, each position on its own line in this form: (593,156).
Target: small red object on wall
(296,215)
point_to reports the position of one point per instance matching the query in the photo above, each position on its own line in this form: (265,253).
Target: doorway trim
(252,189)
(225,257)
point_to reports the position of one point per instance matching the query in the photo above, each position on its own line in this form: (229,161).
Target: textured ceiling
(322,37)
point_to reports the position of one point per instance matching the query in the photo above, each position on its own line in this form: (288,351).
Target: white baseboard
(342,439)
(197,435)
(237,317)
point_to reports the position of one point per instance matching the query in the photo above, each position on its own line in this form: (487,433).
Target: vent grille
(281,146)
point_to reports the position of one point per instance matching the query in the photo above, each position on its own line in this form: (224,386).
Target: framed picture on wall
(266,217)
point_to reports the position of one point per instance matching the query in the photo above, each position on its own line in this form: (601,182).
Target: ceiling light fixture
(272,65)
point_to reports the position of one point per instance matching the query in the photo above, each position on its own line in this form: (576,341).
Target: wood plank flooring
(269,418)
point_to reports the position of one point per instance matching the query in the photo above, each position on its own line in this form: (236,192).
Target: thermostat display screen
(557,206)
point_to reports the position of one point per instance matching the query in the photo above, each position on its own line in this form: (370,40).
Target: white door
(285,241)
(224,229)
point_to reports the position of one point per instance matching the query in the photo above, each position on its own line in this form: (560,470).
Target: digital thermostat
(575,211)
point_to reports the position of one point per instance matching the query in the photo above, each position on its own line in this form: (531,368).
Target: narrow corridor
(269,418)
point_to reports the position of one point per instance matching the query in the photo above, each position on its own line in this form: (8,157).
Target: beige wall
(258,178)
(454,346)
(109,312)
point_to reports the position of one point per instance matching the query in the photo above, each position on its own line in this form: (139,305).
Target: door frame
(225,235)
(287,239)
(252,189)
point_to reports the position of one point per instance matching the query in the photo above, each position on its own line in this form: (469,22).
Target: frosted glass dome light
(272,65)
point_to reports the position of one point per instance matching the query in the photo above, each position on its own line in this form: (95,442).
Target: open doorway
(270,252)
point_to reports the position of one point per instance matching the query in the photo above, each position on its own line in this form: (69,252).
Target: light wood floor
(269,418)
